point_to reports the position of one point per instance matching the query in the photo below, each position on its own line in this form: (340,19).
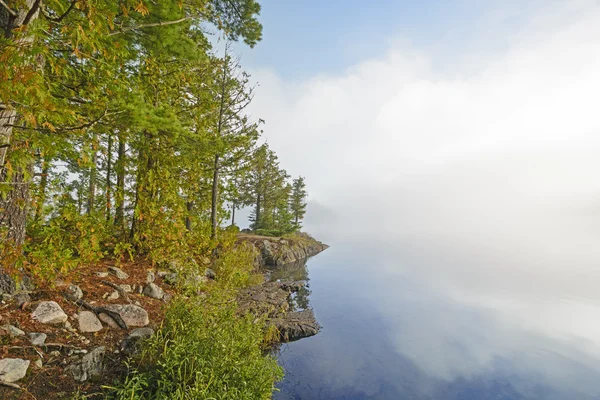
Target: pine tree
(298,201)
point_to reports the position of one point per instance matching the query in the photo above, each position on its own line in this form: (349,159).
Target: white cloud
(491,164)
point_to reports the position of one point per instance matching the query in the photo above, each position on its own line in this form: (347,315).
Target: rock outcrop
(273,301)
(89,366)
(276,251)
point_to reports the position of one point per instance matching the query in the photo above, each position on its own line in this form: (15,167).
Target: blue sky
(312,37)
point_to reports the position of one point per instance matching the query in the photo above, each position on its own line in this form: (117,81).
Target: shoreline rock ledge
(279,251)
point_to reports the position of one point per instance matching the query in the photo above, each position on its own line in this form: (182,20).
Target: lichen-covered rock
(37,339)
(118,272)
(89,366)
(150,277)
(131,314)
(131,344)
(74,292)
(154,291)
(49,312)
(13,369)
(88,322)
(273,251)
(272,300)
(12,330)
(7,284)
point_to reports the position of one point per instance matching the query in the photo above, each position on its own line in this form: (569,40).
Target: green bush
(203,351)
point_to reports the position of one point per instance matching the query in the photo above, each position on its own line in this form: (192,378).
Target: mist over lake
(456,180)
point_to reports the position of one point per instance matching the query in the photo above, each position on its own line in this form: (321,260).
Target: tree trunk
(14,205)
(233,214)
(14,195)
(120,193)
(215,199)
(108,176)
(257,213)
(93,173)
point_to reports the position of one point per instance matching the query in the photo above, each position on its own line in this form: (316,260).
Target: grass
(204,348)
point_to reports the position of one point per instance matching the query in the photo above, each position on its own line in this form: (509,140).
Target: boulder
(13,369)
(108,321)
(126,288)
(113,296)
(49,312)
(37,339)
(154,291)
(119,273)
(21,298)
(88,322)
(74,292)
(131,344)
(13,330)
(7,284)
(89,366)
(131,314)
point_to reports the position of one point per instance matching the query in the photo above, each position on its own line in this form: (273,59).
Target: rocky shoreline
(274,299)
(75,335)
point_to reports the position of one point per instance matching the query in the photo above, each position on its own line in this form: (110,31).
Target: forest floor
(47,377)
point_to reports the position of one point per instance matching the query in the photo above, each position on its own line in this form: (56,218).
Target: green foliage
(203,351)
(66,241)
(298,200)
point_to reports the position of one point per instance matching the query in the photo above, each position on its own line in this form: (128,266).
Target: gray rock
(13,330)
(131,314)
(21,298)
(89,366)
(6,297)
(154,291)
(131,344)
(101,274)
(167,297)
(37,339)
(150,277)
(49,312)
(13,369)
(162,274)
(7,284)
(88,322)
(113,296)
(126,288)
(74,292)
(210,274)
(171,278)
(119,273)
(141,332)
(108,321)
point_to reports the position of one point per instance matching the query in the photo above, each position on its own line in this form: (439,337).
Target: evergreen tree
(298,200)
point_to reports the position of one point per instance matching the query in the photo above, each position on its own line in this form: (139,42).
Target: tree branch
(66,12)
(10,10)
(161,23)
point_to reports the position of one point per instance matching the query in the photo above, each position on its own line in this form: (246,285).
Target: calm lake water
(390,333)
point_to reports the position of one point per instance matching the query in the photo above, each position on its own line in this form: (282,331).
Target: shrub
(203,351)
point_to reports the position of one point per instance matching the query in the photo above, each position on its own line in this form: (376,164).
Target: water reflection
(395,336)
(296,271)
